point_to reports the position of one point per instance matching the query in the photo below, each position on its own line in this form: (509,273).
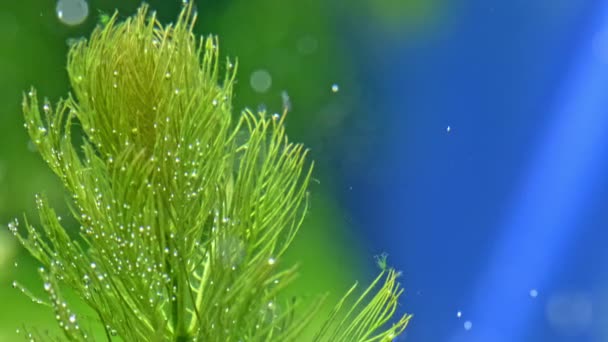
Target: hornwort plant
(182,220)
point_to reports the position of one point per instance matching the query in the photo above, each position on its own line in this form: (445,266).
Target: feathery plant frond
(182,224)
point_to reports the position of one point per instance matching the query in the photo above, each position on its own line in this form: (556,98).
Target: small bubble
(271,261)
(72,12)
(168,75)
(459,314)
(468,325)
(534,293)
(335,88)
(448,129)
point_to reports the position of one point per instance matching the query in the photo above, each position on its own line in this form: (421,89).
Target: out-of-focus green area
(291,42)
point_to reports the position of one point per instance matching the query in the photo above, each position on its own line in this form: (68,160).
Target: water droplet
(271,261)
(72,12)
(93,265)
(115,73)
(260,80)
(448,129)
(72,318)
(47,286)
(335,88)
(468,325)
(168,75)
(276,116)
(459,314)
(214,102)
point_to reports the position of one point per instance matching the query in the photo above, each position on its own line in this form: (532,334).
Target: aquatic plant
(183,213)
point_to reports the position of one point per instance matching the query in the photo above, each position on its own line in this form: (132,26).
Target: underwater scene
(319,170)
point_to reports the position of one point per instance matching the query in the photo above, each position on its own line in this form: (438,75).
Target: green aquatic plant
(183,213)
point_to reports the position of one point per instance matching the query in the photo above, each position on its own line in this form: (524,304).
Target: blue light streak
(542,223)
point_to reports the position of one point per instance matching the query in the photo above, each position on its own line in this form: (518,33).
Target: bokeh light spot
(260,80)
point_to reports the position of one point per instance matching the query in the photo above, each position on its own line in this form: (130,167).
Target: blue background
(510,200)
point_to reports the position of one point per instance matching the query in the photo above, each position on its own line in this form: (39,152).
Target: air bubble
(335,88)
(72,12)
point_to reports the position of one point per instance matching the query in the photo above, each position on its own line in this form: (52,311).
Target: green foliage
(184,215)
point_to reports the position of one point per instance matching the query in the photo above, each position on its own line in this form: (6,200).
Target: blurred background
(465,139)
